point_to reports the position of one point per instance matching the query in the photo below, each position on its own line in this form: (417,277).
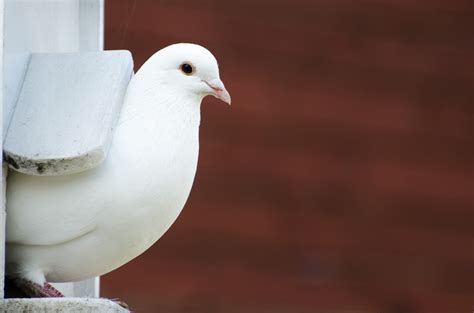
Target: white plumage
(83,225)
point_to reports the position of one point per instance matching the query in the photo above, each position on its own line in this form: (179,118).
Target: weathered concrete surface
(66,110)
(47,305)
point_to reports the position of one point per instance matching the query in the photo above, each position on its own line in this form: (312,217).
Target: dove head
(187,69)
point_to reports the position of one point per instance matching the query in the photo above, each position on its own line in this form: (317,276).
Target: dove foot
(34,290)
(121,303)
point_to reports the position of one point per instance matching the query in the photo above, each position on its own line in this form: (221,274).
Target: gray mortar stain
(40,168)
(52,167)
(11,161)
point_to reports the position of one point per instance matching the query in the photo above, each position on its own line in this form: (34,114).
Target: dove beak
(218,90)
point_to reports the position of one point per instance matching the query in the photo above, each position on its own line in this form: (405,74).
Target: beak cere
(219,91)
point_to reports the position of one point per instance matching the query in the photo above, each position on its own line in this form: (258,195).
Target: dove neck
(157,106)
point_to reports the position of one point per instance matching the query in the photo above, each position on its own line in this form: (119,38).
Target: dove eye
(186,68)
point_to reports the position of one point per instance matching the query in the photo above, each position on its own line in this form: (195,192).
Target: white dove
(73,227)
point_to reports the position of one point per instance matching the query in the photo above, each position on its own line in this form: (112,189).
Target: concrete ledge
(77,305)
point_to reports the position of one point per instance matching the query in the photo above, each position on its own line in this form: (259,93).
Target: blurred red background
(342,177)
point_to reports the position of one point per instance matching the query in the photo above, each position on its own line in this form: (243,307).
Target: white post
(49,26)
(3,169)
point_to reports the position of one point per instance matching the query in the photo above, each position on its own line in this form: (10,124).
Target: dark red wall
(342,177)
